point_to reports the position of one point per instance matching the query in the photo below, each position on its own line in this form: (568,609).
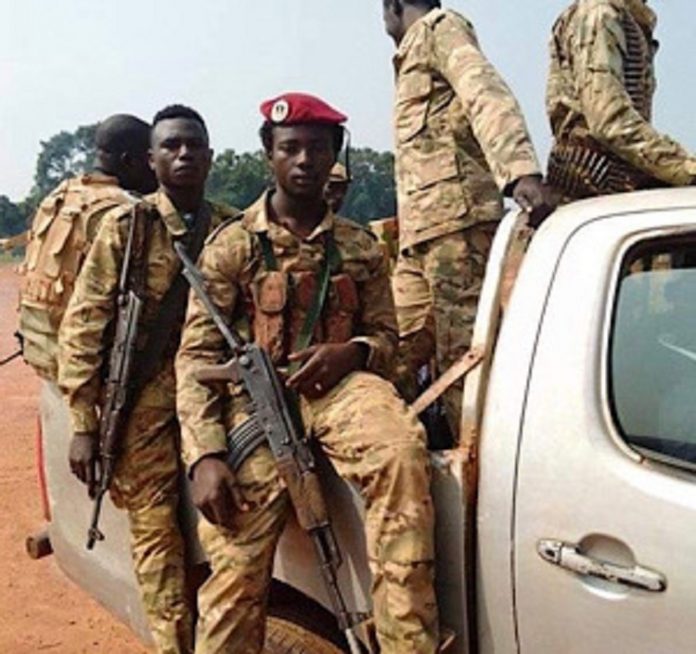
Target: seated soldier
(260,270)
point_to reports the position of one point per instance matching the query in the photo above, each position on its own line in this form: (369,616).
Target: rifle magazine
(242,441)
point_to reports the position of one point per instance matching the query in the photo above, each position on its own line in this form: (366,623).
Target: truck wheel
(285,637)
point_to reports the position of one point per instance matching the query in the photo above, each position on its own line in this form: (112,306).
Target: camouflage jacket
(85,331)
(61,234)
(601,85)
(232,263)
(461,138)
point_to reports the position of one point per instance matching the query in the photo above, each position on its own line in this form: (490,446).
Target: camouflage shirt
(84,333)
(601,84)
(460,134)
(61,234)
(232,261)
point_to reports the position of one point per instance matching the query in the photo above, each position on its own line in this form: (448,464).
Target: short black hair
(122,133)
(179,111)
(426,4)
(338,134)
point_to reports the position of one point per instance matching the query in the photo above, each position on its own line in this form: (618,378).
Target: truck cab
(563,515)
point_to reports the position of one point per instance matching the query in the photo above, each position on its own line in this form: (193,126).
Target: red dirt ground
(40,609)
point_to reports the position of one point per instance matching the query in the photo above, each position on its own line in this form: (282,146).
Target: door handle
(568,556)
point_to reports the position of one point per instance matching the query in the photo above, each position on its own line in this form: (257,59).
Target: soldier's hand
(534,197)
(324,366)
(215,492)
(83,459)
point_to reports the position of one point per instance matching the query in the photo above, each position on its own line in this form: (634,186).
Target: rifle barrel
(198,285)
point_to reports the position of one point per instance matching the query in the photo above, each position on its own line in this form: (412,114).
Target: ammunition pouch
(342,307)
(270,296)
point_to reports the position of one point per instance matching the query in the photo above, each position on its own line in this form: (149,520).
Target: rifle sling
(172,307)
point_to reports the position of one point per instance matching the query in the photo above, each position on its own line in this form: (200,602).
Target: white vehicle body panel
(595,486)
(577,483)
(106,572)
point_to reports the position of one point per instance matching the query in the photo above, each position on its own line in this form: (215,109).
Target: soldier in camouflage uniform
(64,227)
(146,480)
(361,424)
(461,143)
(599,101)
(337,187)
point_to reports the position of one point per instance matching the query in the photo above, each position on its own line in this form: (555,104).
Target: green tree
(238,179)
(13,217)
(372,192)
(64,155)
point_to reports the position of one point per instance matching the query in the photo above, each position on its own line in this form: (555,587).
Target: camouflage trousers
(146,485)
(437,285)
(379,446)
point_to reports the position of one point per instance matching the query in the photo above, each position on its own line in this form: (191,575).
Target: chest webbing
(331,265)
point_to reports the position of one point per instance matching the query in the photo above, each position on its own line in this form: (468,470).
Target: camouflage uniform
(460,140)
(362,425)
(62,231)
(147,472)
(599,101)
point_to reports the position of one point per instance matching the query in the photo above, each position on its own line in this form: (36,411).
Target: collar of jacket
(167,211)
(98,177)
(413,34)
(642,13)
(256,220)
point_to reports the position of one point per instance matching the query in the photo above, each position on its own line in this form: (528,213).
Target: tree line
(235,178)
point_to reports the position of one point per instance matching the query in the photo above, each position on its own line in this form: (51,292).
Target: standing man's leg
(455,266)
(414,311)
(146,483)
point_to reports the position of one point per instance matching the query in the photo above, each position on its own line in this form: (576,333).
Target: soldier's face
(301,158)
(334,194)
(180,154)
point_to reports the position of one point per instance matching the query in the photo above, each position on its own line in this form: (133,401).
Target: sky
(66,63)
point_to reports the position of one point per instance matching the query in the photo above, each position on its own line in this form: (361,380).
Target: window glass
(653,351)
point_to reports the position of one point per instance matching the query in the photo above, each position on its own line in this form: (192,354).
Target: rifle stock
(276,414)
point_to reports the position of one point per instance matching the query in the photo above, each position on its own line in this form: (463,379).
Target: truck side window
(653,351)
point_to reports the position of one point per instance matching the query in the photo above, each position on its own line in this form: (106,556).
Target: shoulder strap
(173,305)
(269,258)
(331,265)
(134,267)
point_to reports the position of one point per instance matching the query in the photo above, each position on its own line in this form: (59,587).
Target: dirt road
(40,610)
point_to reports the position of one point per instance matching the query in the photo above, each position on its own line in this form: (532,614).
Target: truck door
(604,551)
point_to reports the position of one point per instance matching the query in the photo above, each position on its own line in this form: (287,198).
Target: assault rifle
(119,382)
(275,419)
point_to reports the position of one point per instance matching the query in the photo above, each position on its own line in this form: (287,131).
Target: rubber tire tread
(285,637)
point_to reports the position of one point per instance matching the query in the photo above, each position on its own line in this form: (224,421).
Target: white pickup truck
(578,538)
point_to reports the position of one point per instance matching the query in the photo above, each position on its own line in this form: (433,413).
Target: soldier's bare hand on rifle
(215,492)
(534,197)
(324,366)
(83,459)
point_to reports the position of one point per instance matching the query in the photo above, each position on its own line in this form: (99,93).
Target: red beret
(297,108)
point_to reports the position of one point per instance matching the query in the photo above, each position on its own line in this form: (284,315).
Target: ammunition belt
(585,169)
(638,67)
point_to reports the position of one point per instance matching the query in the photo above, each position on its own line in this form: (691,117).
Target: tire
(285,637)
